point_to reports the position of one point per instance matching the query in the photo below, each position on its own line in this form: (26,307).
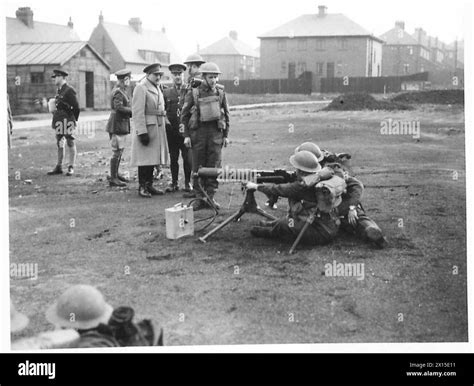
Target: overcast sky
(202,22)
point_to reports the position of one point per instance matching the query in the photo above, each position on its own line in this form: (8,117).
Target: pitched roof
(46,53)
(18,32)
(329,25)
(398,36)
(128,42)
(229,46)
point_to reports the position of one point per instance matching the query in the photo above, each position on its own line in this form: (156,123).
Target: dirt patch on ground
(440,97)
(363,101)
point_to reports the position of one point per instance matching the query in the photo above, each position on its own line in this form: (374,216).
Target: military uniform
(118,127)
(64,123)
(149,143)
(174,99)
(365,228)
(301,202)
(207,138)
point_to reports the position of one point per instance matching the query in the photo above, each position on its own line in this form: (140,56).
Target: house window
(283,67)
(320,68)
(342,44)
(339,68)
(155,56)
(37,77)
(302,44)
(281,45)
(406,68)
(320,44)
(301,67)
(410,50)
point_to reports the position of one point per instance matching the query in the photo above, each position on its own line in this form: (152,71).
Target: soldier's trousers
(206,151)
(175,146)
(145,174)
(322,231)
(364,222)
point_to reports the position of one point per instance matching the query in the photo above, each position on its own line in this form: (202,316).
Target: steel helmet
(18,321)
(305,161)
(194,58)
(80,307)
(210,68)
(312,148)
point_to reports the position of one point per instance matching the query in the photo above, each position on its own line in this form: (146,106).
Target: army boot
(114,180)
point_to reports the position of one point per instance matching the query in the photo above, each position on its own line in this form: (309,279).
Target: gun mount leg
(308,222)
(234,217)
(249,206)
(261,212)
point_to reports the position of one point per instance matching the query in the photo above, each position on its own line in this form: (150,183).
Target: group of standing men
(191,119)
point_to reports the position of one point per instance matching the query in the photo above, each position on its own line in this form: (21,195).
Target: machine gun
(277,176)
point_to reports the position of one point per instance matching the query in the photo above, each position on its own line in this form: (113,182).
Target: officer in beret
(174,95)
(149,143)
(65,116)
(118,125)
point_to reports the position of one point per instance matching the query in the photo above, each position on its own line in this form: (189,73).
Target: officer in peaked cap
(174,96)
(153,68)
(118,125)
(149,143)
(65,115)
(59,73)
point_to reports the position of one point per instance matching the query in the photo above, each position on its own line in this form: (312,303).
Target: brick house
(131,46)
(403,54)
(328,45)
(234,57)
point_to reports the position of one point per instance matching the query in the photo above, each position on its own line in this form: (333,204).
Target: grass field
(411,292)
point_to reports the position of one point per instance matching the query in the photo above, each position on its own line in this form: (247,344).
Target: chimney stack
(25,14)
(420,34)
(400,24)
(322,10)
(233,35)
(136,24)
(101,18)
(70,24)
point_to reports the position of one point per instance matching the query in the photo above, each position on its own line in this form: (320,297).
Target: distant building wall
(324,57)
(103,44)
(245,67)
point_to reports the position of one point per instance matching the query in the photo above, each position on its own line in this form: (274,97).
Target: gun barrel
(277,176)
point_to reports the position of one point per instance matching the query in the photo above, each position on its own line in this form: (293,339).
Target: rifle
(277,176)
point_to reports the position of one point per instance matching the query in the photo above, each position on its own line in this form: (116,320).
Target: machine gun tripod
(248,206)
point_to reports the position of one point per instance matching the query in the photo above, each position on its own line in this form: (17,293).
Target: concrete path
(103,117)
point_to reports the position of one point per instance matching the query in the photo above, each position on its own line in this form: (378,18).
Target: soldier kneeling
(302,201)
(83,308)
